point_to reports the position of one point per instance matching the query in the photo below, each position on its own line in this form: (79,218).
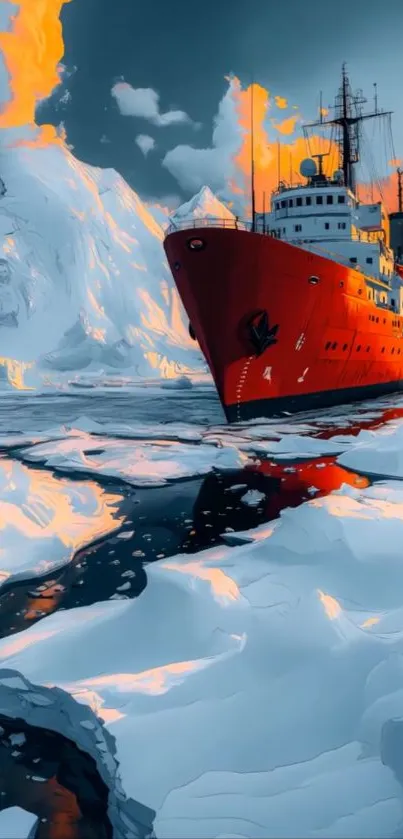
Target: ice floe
(44,520)
(17,823)
(267,676)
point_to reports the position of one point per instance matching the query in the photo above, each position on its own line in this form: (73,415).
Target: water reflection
(164,521)
(50,776)
(368,422)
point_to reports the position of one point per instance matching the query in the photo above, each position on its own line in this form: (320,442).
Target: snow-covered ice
(253,497)
(269,675)
(16,823)
(140,463)
(44,520)
(203,205)
(84,283)
(378,453)
(56,710)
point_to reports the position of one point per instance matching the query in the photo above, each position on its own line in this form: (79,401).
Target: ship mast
(399,191)
(252,168)
(348,118)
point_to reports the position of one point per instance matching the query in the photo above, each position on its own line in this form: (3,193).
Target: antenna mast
(252,169)
(348,117)
(399,190)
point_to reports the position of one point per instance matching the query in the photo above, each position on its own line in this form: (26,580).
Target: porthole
(313,280)
(334,345)
(196,244)
(328,345)
(177,265)
(345,347)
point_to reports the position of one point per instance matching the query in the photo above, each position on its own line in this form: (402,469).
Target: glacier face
(84,283)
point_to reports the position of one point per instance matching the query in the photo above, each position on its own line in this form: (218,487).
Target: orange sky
(32,51)
(282,152)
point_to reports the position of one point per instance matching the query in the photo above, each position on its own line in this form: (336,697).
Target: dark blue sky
(184,50)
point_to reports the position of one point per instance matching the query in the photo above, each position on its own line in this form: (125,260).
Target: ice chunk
(44,520)
(16,823)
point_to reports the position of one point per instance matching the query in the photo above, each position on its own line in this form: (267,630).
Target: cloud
(225,166)
(278,145)
(145,143)
(145,102)
(286,126)
(213,166)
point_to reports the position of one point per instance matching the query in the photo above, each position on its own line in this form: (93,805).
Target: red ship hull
(332,344)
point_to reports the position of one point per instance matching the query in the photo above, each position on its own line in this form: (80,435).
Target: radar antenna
(348,118)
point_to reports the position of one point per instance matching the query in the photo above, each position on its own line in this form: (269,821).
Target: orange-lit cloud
(32,51)
(384,190)
(280,102)
(274,160)
(287,126)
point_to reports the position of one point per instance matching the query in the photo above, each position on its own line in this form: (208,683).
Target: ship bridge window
(299,202)
(327,225)
(297,228)
(283,205)
(353,259)
(290,202)
(308,200)
(341,225)
(369,260)
(277,205)
(329,199)
(341,199)
(319,199)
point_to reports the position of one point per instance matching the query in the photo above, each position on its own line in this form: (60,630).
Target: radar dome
(308,168)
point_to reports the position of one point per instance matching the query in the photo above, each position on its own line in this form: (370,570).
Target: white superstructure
(324,216)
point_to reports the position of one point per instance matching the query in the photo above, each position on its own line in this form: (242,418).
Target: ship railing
(223,223)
